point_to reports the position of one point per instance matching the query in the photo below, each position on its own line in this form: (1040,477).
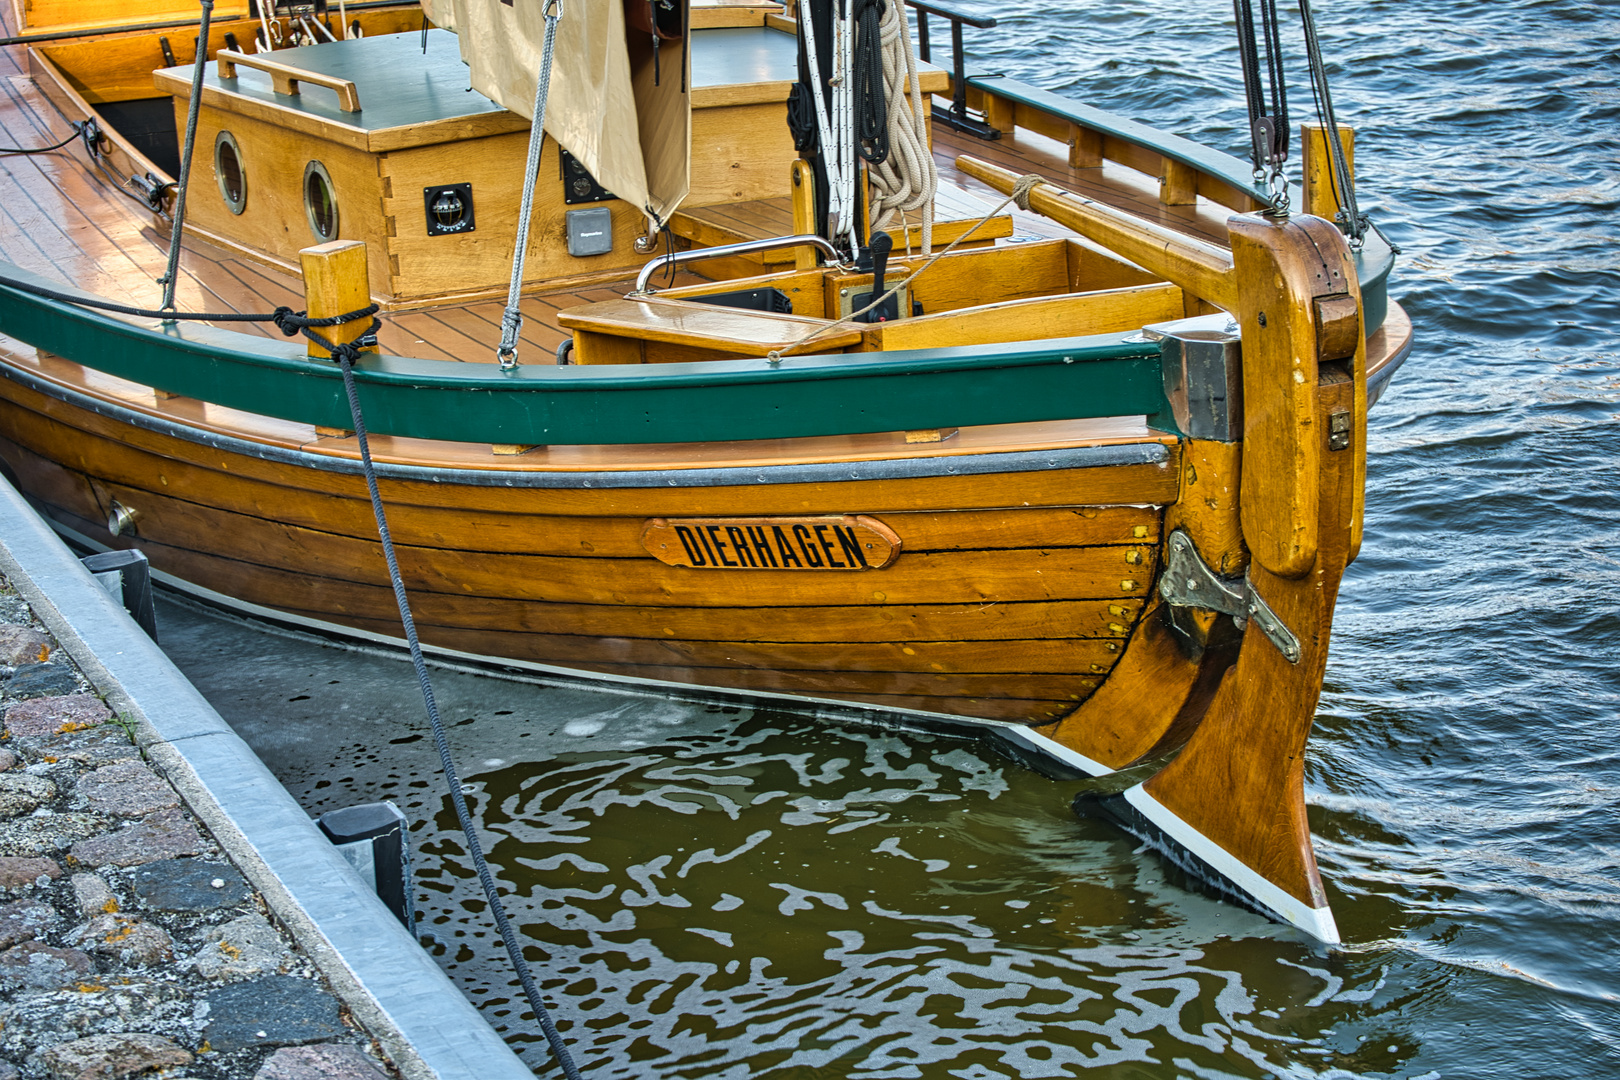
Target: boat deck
(65,220)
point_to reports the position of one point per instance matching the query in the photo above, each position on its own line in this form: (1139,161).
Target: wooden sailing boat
(1090,491)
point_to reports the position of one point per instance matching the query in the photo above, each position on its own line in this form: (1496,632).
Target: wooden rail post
(1321,184)
(804,213)
(335,283)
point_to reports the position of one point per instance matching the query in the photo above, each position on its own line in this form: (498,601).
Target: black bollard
(127,576)
(372,838)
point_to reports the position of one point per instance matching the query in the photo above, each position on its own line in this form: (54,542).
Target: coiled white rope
(907,179)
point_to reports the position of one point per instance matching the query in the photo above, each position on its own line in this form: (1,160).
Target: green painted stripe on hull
(841,394)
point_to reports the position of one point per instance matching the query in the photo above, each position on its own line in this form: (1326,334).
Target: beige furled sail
(631,129)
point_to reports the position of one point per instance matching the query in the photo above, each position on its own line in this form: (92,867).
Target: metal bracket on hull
(1188,581)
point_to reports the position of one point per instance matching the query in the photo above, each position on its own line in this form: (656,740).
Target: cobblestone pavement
(129,944)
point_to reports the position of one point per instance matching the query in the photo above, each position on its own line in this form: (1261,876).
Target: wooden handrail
(284,78)
(1199,267)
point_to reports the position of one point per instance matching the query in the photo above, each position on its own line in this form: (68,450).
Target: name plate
(849,542)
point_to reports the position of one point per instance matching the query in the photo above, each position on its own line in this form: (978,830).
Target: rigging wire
(1340,182)
(1268,130)
(512,316)
(171,276)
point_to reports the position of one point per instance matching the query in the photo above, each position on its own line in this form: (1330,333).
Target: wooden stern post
(1235,795)
(1282,508)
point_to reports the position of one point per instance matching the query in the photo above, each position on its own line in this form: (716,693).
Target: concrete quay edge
(393,988)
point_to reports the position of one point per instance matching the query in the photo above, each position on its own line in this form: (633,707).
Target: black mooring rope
(346,355)
(42,149)
(288,321)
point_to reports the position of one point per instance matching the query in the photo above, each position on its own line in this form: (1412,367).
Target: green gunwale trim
(838,394)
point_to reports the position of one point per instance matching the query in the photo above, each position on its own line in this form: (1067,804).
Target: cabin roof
(411,96)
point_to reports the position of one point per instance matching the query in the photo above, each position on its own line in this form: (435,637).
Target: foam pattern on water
(785,899)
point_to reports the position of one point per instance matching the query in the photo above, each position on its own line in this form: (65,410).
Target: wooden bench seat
(1037,318)
(652,330)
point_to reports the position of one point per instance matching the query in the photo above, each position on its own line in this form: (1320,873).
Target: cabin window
(320,202)
(228,172)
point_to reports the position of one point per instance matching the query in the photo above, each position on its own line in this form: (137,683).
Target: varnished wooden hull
(1017,585)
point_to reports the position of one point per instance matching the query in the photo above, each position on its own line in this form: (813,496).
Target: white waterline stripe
(1317,922)
(1053,749)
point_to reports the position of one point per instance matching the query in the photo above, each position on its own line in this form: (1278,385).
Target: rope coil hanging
(908,178)
(512,316)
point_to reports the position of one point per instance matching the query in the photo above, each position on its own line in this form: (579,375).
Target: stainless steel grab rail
(746,247)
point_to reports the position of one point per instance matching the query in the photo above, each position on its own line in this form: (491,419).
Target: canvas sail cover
(631,129)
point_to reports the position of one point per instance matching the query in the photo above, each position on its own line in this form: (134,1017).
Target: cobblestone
(135,942)
(188,885)
(245,947)
(21,793)
(93,896)
(326,1061)
(104,744)
(24,920)
(166,834)
(127,789)
(48,834)
(32,965)
(119,955)
(22,873)
(111,1057)
(46,716)
(23,645)
(274,1011)
(42,680)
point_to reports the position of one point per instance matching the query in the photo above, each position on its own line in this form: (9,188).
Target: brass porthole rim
(315,168)
(221,141)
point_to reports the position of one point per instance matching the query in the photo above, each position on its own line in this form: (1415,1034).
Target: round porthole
(320,202)
(228,172)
